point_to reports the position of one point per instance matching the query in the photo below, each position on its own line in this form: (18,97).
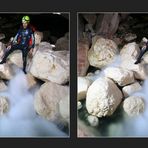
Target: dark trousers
(24,50)
(142,52)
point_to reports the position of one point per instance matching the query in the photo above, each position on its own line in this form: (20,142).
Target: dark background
(56,25)
(74,6)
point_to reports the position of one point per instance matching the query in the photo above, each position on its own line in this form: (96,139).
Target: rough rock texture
(103,97)
(62,43)
(129,37)
(130,89)
(31,80)
(2,48)
(82,57)
(16,58)
(102,52)
(38,37)
(93,120)
(3,86)
(5,71)
(4,105)
(47,99)
(145,58)
(130,50)
(90,18)
(50,65)
(138,69)
(120,75)
(107,24)
(83,85)
(133,105)
(64,108)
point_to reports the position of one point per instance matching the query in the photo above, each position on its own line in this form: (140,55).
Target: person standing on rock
(24,41)
(143,50)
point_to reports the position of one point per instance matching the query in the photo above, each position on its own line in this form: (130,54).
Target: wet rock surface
(117,95)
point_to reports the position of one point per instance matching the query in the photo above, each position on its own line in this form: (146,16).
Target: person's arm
(15,40)
(32,39)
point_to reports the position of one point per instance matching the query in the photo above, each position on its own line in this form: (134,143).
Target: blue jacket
(25,37)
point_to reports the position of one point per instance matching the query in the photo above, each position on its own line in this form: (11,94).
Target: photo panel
(34,74)
(112,70)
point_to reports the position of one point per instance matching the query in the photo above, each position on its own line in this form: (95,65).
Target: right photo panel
(112,74)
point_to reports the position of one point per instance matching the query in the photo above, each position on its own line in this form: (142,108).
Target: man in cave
(24,41)
(143,50)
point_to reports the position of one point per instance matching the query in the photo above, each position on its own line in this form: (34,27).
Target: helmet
(26,19)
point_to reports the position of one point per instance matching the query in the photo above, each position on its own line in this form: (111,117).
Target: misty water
(119,124)
(21,120)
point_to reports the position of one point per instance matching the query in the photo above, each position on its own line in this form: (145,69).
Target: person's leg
(24,54)
(140,55)
(13,48)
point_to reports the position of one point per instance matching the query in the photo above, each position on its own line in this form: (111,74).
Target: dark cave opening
(52,25)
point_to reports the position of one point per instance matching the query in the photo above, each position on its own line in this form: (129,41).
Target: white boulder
(103,97)
(102,52)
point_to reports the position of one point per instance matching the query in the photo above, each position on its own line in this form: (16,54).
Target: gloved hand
(9,47)
(30,54)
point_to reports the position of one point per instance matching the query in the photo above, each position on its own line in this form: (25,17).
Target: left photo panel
(35,74)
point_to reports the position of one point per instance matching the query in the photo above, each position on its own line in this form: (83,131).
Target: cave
(95,31)
(53,25)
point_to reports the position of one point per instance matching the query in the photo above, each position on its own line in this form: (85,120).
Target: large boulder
(2,49)
(62,43)
(90,18)
(5,72)
(130,89)
(64,108)
(107,24)
(43,46)
(82,57)
(102,52)
(130,50)
(129,54)
(83,85)
(138,69)
(134,105)
(3,86)
(103,97)
(16,58)
(120,75)
(38,37)
(49,65)
(4,105)
(47,99)
(31,81)
(145,58)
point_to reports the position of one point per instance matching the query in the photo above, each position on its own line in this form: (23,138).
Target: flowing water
(21,120)
(119,124)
